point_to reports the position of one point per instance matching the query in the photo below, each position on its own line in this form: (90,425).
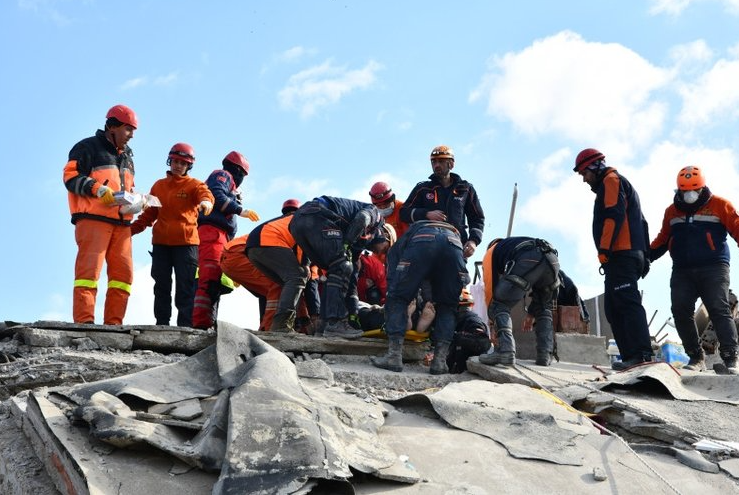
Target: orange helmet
(124,115)
(381,192)
(586,158)
(690,178)
(465,298)
(290,205)
(184,152)
(442,151)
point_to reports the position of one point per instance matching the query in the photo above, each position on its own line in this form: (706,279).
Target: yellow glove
(106,195)
(206,207)
(250,214)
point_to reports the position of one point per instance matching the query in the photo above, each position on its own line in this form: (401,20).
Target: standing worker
(694,230)
(175,235)
(99,166)
(511,268)
(445,197)
(429,250)
(215,230)
(621,236)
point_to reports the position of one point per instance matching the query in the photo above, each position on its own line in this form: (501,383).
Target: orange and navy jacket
(393,219)
(176,222)
(457,201)
(698,239)
(94,162)
(275,233)
(618,223)
(227,204)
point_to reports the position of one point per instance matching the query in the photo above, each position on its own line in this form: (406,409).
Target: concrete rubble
(146,409)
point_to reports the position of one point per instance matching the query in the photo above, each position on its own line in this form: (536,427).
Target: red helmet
(690,178)
(381,192)
(239,160)
(442,151)
(290,205)
(184,152)
(587,157)
(124,115)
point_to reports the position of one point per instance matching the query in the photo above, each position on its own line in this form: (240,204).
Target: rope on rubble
(595,424)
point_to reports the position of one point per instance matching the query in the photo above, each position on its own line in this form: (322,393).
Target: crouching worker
(511,268)
(429,250)
(471,337)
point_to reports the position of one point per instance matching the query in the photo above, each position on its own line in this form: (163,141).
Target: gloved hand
(205,206)
(106,195)
(645,268)
(250,214)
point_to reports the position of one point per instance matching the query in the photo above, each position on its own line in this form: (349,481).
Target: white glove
(206,207)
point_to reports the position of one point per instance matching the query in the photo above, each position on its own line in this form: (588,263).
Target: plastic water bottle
(612,351)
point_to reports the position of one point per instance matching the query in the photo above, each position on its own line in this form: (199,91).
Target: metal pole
(513,209)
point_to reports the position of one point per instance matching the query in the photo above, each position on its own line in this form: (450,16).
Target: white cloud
(585,91)
(295,53)
(691,53)
(713,96)
(324,85)
(677,7)
(669,7)
(47,9)
(135,83)
(166,80)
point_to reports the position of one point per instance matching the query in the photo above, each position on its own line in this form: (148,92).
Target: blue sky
(327,97)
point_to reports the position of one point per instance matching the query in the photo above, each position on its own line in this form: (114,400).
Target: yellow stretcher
(411,335)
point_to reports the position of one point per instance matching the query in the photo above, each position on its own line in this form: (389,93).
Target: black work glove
(645,267)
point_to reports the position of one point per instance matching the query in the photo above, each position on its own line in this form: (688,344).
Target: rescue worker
(98,167)
(372,279)
(445,197)
(511,268)
(471,335)
(273,251)
(328,229)
(694,230)
(236,265)
(621,236)
(215,230)
(384,199)
(430,250)
(175,235)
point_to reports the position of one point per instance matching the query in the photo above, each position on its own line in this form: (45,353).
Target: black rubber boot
(504,353)
(393,359)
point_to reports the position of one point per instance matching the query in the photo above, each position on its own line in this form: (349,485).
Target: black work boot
(438,364)
(697,360)
(504,353)
(731,365)
(543,358)
(342,329)
(393,359)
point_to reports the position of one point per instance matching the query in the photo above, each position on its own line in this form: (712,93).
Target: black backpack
(471,338)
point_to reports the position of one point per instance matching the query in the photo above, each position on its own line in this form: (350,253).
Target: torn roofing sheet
(525,422)
(268,432)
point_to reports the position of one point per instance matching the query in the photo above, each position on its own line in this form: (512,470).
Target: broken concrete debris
(236,415)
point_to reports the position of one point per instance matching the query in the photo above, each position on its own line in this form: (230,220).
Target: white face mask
(386,212)
(690,197)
